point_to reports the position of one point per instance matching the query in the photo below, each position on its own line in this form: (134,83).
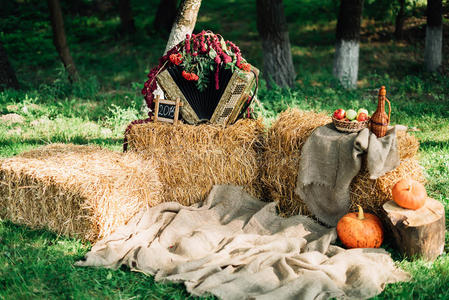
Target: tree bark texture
(433,53)
(59,39)
(184,23)
(399,24)
(165,15)
(346,59)
(418,233)
(8,78)
(126,17)
(273,31)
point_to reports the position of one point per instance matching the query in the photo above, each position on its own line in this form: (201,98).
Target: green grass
(39,264)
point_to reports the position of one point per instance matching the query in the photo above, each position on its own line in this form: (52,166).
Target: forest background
(112,63)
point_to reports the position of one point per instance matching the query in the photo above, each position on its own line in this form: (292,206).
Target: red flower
(179,57)
(186,75)
(173,58)
(226,58)
(187,43)
(189,76)
(245,67)
(217,83)
(239,60)
(176,58)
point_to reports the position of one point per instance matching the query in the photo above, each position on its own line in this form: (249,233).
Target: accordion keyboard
(232,103)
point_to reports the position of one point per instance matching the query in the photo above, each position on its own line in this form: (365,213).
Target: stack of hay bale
(191,159)
(88,192)
(81,191)
(285,139)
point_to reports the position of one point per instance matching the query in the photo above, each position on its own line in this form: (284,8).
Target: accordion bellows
(222,106)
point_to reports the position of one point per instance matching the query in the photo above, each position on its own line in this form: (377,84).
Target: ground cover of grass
(39,264)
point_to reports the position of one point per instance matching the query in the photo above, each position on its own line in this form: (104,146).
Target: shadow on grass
(40,264)
(79,140)
(432,145)
(11,147)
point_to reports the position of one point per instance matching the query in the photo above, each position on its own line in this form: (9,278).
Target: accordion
(222,106)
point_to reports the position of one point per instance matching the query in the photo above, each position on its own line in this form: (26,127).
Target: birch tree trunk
(346,59)
(433,54)
(8,78)
(165,15)
(126,17)
(184,23)
(59,39)
(277,55)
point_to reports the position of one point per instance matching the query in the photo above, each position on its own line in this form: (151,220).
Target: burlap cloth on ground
(331,159)
(236,247)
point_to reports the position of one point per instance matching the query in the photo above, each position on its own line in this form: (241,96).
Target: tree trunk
(165,15)
(418,233)
(400,18)
(277,55)
(346,60)
(59,39)
(8,78)
(126,17)
(184,23)
(433,54)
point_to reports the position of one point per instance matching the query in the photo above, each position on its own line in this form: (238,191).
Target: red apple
(362,117)
(339,114)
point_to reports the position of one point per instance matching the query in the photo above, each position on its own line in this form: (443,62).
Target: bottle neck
(381,104)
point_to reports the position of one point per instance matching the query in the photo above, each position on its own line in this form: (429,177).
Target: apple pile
(351,115)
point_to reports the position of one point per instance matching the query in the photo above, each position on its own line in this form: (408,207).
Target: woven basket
(345,126)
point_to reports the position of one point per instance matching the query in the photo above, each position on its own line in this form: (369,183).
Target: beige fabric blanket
(236,247)
(331,159)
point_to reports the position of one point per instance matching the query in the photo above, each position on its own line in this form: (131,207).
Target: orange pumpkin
(409,193)
(360,230)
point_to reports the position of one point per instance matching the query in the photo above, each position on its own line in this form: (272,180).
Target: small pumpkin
(360,230)
(409,193)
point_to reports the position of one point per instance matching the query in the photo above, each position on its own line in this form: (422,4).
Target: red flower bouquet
(199,58)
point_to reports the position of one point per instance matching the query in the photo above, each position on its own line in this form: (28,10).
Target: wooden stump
(418,233)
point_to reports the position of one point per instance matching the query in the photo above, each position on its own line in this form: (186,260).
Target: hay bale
(372,194)
(81,191)
(191,159)
(408,145)
(281,161)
